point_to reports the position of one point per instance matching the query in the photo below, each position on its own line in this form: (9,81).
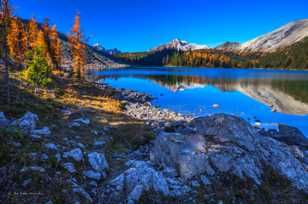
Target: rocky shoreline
(214,159)
(198,152)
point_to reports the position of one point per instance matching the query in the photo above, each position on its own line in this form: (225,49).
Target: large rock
(139,178)
(27,123)
(291,136)
(225,144)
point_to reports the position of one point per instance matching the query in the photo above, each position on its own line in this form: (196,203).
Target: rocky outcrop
(227,144)
(201,154)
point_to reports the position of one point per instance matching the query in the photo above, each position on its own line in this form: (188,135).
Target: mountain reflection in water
(284,92)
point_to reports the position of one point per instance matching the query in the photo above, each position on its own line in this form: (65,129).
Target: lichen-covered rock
(226,144)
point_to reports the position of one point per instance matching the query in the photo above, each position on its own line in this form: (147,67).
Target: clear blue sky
(137,25)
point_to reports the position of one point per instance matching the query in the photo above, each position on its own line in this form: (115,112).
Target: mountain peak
(180,45)
(282,37)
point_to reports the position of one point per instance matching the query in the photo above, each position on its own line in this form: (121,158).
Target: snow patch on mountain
(180,45)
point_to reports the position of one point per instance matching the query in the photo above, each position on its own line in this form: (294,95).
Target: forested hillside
(292,57)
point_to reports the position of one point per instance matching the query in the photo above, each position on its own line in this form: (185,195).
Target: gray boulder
(226,144)
(27,123)
(92,175)
(291,136)
(98,161)
(141,177)
(75,154)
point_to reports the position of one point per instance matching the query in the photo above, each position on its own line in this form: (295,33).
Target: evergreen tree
(38,70)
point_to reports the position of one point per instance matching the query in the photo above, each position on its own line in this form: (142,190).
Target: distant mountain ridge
(282,37)
(179,45)
(229,46)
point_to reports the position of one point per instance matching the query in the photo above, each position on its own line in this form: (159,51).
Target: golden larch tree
(78,51)
(12,39)
(32,33)
(55,46)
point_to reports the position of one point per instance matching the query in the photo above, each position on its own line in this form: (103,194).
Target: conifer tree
(32,33)
(4,26)
(12,39)
(77,48)
(55,46)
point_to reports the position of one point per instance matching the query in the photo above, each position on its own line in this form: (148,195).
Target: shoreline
(102,143)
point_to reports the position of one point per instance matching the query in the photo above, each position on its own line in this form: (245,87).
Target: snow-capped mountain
(180,45)
(282,37)
(229,46)
(100,48)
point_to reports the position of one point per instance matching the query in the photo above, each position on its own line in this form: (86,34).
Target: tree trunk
(6,15)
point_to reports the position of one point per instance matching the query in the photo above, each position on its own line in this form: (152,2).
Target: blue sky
(138,25)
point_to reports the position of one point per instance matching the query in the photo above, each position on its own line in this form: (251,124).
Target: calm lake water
(261,96)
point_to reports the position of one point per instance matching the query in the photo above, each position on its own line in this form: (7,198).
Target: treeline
(293,57)
(26,36)
(23,37)
(36,49)
(196,58)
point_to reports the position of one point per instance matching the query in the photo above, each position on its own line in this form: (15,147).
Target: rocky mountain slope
(179,45)
(229,46)
(280,38)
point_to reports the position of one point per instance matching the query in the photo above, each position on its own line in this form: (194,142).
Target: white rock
(27,123)
(84,121)
(51,146)
(215,105)
(33,168)
(45,131)
(98,161)
(76,154)
(92,175)
(69,167)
